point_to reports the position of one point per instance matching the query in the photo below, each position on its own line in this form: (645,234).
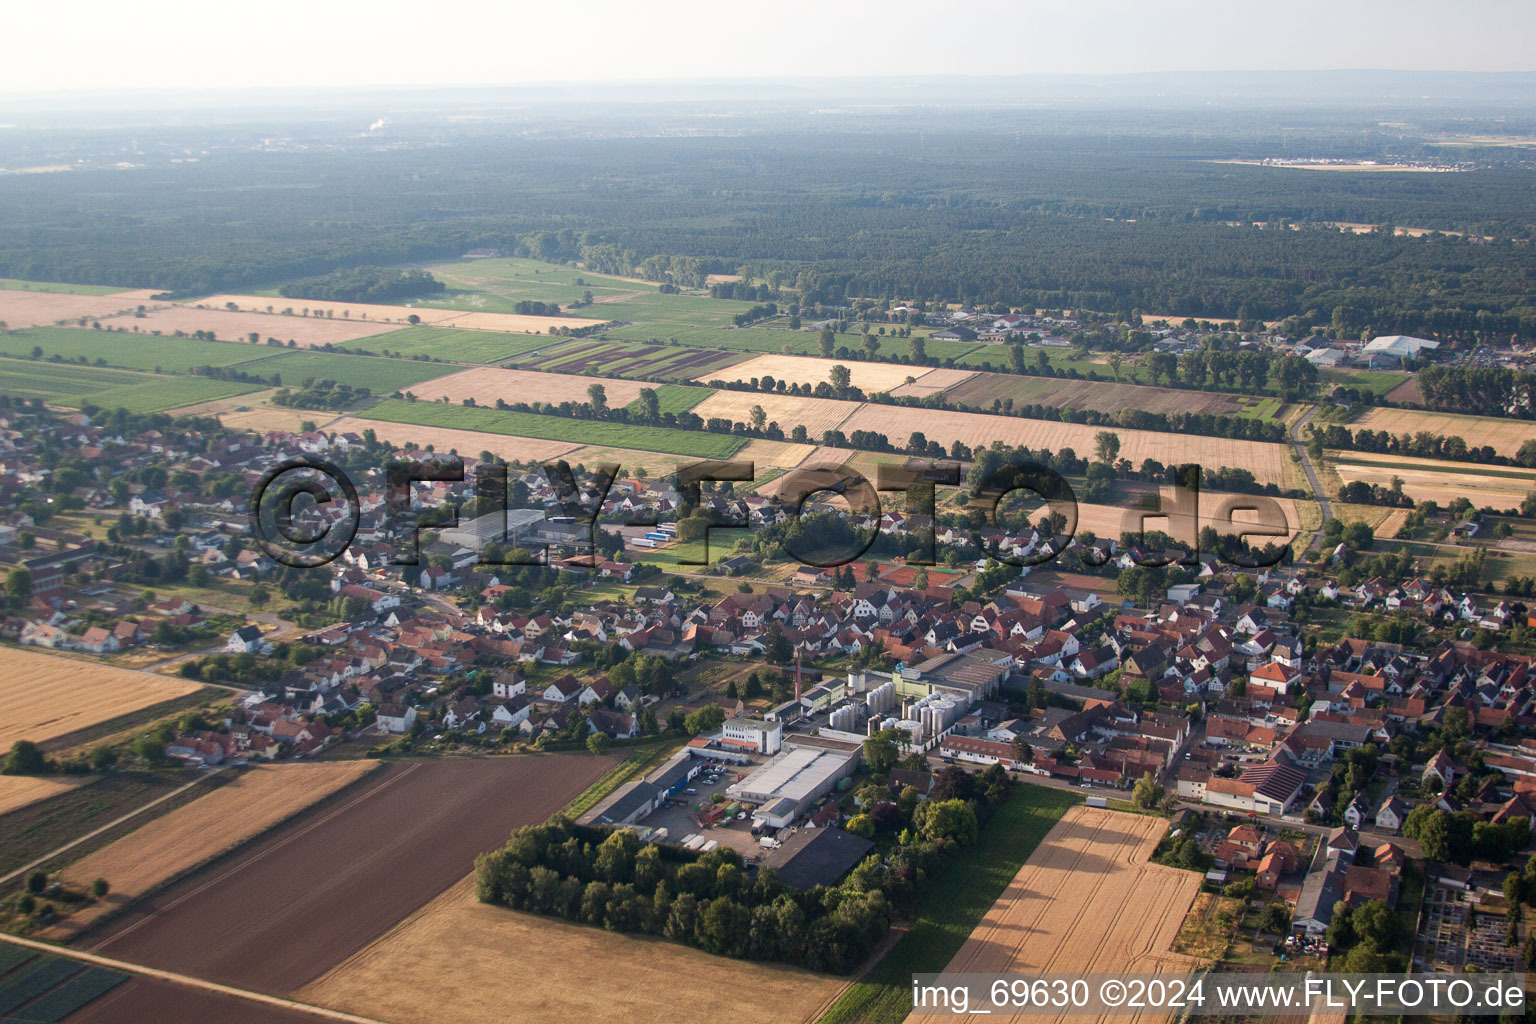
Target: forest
(1144,219)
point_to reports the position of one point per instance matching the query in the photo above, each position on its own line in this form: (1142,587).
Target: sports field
(1088,900)
(556,428)
(432,968)
(43,696)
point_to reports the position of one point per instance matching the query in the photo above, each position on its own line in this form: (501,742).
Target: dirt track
(1087,900)
(296,902)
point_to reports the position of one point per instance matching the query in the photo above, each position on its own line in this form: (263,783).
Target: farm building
(1394,348)
(785,787)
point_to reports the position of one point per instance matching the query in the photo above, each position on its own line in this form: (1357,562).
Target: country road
(1324,505)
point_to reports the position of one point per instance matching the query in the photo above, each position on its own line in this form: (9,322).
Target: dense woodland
(365,284)
(1134,218)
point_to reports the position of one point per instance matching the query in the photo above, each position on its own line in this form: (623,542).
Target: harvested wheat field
(817,415)
(434,967)
(1505,436)
(1443,482)
(230,326)
(18,791)
(398,315)
(485,384)
(774,454)
(933,382)
(20,308)
(446,439)
(871,378)
(43,696)
(1109,520)
(190,836)
(254,411)
(1101,396)
(1087,901)
(1269,463)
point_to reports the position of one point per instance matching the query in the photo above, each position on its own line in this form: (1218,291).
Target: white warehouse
(787,786)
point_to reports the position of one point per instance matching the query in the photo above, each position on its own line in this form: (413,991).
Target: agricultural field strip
(387,848)
(425,971)
(1505,436)
(489,384)
(31,308)
(171,845)
(373,314)
(43,696)
(18,791)
(140,970)
(557,428)
(1087,900)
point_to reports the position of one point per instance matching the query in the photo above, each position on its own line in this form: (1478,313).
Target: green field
(77,386)
(379,375)
(130,351)
(11,284)
(451,343)
(948,911)
(495,286)
(676,398)
(1377,382)
(557,428)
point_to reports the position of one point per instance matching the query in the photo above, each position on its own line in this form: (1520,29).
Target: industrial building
(495,528)
(786,787)
(763,737)
(637,802)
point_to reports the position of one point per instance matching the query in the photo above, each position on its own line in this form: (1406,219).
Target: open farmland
(489,383)
(158,393)
(1087,900)
(1101,396)
(43,696)
(173,844)
(366,862)
(18,791)
(1269,463)
(1109,520)
(381,376)
(629,359)
(1505,436)
(18,285)
(432,968)
(557,428)
(253,411)
(871,378)
(25,308)
(323,311)
(1432,480)
(466,442)
(456,345)
(127,350)
(498,284)
(817,415)
(228,325)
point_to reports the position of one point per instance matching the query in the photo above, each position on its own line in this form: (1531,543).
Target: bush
(100,888)
(37,881)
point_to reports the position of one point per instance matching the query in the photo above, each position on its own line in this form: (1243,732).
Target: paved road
(1323,504)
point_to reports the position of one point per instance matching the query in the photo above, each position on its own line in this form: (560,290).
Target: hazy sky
(93,44)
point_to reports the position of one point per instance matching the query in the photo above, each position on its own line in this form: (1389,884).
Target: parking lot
(681,820)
